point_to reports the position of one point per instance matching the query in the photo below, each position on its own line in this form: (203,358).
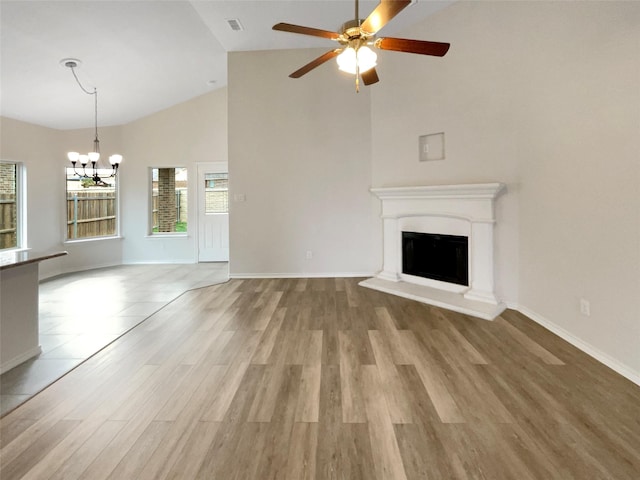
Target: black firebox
(434,256)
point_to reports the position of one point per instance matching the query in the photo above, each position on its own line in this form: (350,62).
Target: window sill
(15,250)
(168,235)
(92,239)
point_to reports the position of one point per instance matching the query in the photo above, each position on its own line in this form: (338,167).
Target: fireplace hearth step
(436,297)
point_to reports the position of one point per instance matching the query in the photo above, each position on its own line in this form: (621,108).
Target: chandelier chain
(73,70)
(95,97)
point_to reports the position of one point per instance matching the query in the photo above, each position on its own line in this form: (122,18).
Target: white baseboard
(84,268)
(161,262)
(302,275)
(110,264)
(586,347)
(512,305)
(15,361)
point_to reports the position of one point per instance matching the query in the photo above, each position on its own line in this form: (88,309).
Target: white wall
(544,97)
(180,136)
(43,152)
(99,252)
(580,169)
(300,151)
(38,148)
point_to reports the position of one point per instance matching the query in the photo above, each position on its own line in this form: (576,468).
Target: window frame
(21,206)
(150,226)
(116,209)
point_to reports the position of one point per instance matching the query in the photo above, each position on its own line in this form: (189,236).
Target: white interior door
(213,212)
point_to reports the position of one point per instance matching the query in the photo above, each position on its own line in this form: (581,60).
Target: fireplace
(455,221)
(437,257)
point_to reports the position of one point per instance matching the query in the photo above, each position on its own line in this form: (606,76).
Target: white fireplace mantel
(466,210)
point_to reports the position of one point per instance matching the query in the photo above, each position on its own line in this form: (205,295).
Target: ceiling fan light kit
(356,38)
(353,60)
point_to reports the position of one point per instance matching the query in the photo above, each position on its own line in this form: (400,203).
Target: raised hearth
(460,210)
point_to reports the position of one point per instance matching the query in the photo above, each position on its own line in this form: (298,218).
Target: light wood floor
(81,312)
(321,378)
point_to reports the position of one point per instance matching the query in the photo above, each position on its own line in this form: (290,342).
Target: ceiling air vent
(235,24)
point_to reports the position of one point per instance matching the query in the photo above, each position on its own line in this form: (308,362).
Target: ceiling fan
(357,36)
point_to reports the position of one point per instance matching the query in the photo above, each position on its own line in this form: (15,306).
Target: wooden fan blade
(315,32)
(385,11)
(421,47)
(315,63)
(370,77)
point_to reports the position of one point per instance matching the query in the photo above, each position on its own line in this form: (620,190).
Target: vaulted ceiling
(147,55)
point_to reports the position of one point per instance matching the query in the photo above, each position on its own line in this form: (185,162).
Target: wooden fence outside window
(91,214)
(8,221)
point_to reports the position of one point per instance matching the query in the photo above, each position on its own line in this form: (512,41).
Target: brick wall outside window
(166,200)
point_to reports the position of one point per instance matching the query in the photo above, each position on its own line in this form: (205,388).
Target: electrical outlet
(585,307)
(309,254)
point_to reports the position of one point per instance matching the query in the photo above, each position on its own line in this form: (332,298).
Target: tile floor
(82,312)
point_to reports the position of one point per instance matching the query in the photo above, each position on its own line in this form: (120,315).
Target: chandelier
(93,156)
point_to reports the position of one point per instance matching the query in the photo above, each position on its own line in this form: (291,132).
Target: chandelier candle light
(93,156)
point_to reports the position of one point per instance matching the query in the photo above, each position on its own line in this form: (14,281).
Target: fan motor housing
(351,29)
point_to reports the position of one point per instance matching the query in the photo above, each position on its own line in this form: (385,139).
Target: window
(169,197)
(10,205)
(216,193)
(91,209)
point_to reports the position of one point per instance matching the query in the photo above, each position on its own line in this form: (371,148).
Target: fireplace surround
(455,210)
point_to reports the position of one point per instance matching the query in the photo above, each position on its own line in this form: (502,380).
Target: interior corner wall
(41,150)
(99,252)
(543,96)
(580,166)
(467,95)
(183,135)
(180,136)
(299,155)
